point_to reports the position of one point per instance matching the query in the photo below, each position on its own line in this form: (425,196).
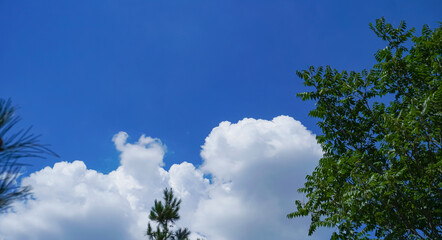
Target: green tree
(382,167)
(14,147)
(165,214)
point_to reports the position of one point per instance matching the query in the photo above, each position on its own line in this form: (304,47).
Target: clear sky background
(82,71)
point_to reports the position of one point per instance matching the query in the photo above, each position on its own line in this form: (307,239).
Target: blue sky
(82,71)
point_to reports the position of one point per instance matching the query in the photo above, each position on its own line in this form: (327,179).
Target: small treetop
(165,214)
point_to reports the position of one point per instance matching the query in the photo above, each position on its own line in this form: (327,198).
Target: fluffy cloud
(255,168)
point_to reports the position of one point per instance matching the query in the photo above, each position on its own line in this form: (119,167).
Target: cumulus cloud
(255,168)
(256,165)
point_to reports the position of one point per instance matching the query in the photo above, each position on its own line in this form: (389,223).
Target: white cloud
(256,167)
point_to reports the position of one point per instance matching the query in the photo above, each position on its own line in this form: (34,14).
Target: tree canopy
(380,175)
(14,147)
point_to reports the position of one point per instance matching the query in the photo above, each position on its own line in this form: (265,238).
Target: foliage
(165,214)
(382,167)
(13,148)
